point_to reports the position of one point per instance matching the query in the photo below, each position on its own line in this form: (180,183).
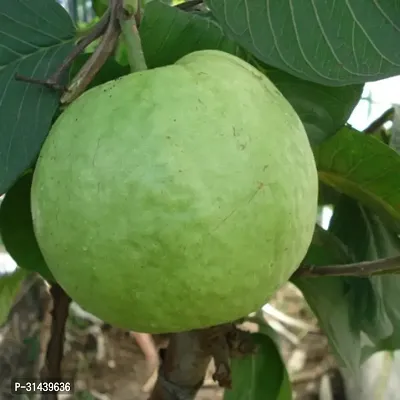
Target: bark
(188,355)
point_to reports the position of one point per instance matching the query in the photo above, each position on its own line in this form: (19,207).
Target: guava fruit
(176,198)
(16,228)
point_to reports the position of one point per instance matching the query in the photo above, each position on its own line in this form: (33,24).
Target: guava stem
(183,368)
(367,268)
(55,347)
(131,35)
(188,355)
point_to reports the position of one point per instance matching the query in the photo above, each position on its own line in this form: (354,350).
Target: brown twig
(54,81)
(55,348)
(105,48)
(138,15)
(367,268)
(375,125)
(49,83)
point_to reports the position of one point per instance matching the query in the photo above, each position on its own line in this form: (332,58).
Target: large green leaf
(326,249)
(374,304)
(323,110)
(35,38)
(359,315)
(9,286)
(329,42)
(350,223)
(261,376)
(168,34)
(364,168)
(16,228)
(99,7)
(327,194)
(328,298)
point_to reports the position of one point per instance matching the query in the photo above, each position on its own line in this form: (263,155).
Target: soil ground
(120,371)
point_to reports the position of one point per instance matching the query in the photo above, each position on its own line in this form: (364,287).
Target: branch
(108,27)
(375,125)
(367,268)
(188,356)
(55,348)
(183,368)
(54,81)
(98,58)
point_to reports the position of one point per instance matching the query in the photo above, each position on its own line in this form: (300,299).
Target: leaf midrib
(338,181)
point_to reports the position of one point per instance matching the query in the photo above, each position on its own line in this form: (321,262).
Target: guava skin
(16,228)
(176,198)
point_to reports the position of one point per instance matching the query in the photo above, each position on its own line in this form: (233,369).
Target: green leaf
(323,110)
(99,7)
(366,309)
(364,168)
(163,27)
(328,298)
(373,301)
(261,376)
(347,210)
(286,388)
(359,315)
(332,43)
(9,286)
(326,249)
(35,39)
(16,228)
(327,195)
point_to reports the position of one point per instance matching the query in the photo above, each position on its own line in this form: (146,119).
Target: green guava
(16,228)
(176,198)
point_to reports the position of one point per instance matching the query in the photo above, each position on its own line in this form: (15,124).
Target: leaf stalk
(133,42)
(383,266)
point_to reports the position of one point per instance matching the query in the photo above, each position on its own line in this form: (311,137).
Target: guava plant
(164,168)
